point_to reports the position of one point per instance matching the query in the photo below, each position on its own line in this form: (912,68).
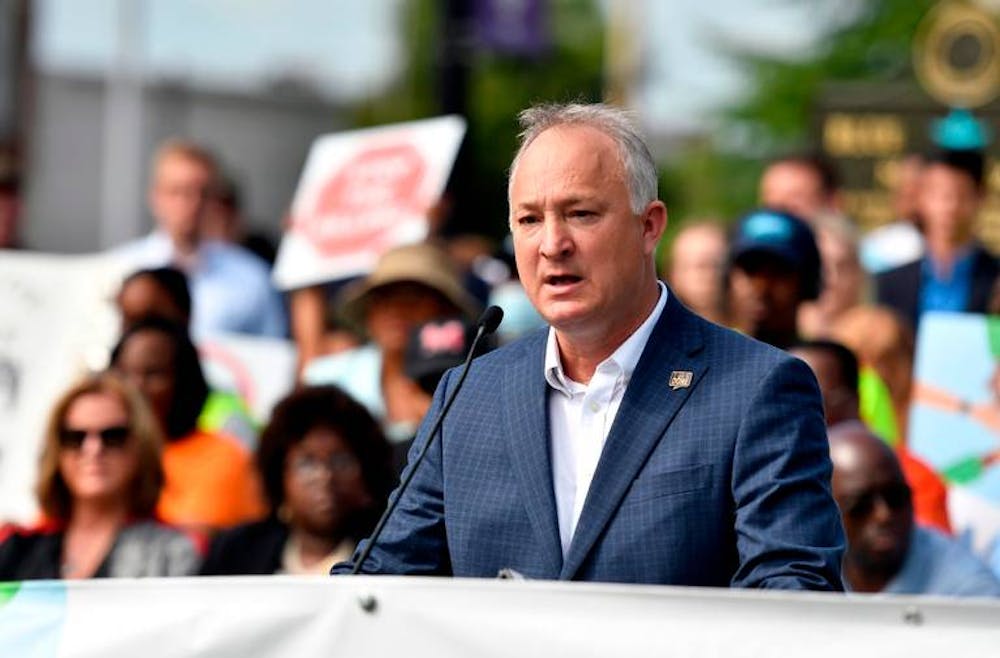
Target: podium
(417,617)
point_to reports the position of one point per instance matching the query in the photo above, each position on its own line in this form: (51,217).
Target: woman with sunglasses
(99,480)
(326,469)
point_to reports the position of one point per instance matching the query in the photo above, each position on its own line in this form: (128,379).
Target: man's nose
(881,510)
(760,284)
(556,241)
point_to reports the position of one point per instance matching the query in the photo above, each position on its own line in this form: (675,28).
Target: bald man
(697,263)
(804,185)
(886,551)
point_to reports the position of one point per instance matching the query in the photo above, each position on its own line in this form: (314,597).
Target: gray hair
(634,155)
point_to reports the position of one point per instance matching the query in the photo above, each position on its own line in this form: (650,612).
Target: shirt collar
(162,247)
(961,268)
(626,357)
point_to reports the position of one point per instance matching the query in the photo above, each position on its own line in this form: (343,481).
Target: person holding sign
(631,441)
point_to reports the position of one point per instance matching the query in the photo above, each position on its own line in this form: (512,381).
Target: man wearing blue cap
(774,266)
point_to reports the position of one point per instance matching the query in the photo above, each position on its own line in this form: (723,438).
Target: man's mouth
(562,279)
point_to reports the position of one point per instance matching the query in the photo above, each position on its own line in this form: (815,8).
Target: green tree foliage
(719,178)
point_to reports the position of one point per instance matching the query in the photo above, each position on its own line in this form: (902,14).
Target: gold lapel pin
(680,379)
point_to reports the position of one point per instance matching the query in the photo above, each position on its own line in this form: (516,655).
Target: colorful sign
(955,418)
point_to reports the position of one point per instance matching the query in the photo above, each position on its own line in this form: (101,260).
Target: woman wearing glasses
(326,469)
(99,481)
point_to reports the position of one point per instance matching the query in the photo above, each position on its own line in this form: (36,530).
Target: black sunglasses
(111,437)
(895,496)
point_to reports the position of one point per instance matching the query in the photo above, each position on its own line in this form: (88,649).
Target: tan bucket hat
(421,263)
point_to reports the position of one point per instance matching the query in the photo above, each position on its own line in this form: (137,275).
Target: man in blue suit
(632,441)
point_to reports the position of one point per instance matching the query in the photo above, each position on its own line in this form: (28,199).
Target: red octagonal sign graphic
(366,196)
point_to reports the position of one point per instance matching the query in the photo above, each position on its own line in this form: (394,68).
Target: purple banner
(512,27)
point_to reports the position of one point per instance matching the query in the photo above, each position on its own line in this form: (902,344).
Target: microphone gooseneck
(487,324)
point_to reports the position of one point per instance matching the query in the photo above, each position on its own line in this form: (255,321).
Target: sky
(348,47)
(351,50)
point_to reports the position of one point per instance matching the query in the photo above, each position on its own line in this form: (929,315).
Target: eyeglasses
(338,463)
(895,496)
(110,437)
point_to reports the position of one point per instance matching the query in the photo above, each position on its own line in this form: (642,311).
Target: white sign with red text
(362,193)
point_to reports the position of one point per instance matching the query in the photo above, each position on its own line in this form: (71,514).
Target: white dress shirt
(580,417)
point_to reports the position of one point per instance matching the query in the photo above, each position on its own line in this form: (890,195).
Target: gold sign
(956,54)
(863,135)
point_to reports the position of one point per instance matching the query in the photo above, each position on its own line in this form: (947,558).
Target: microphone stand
(488,323)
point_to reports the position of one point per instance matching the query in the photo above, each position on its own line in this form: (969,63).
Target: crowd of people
(145,471)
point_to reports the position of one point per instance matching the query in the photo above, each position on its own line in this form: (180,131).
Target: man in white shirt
(230,287)
(630,441)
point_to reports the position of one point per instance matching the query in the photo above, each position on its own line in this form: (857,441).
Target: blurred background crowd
(829,167)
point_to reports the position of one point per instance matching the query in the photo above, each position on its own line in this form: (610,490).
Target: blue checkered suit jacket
(723,483)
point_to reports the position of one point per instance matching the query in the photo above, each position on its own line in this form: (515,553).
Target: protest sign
(259,370)
(57,323)
(362,193)
(955,417)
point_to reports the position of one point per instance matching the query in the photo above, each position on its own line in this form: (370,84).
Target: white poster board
(56,323)
(260,370)
(362,193)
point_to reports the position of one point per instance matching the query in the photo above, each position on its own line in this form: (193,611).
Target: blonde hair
(54,496)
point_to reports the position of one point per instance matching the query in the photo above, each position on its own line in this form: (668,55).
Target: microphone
(487,324)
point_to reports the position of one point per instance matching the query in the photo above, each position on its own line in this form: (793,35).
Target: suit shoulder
(524,347)
(734,348)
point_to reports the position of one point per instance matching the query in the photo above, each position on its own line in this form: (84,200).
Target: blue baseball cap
(783,236)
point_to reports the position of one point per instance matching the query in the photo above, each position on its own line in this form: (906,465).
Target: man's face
(794,187)
(875,506)
(843,276)
(947,204)
(840,403)
(697,261)
(584,258)
(764,296)
(179,196)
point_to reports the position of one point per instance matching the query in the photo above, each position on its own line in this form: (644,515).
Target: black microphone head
(490,319)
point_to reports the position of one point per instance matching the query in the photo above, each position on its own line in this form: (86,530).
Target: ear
(654,223)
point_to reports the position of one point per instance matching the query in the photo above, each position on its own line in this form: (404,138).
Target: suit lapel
(526,425)
(645,412)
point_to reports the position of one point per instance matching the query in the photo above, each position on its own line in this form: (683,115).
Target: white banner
(56,323)
(439,617)
(362,193)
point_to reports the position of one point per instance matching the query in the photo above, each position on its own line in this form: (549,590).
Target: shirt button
(594,407)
